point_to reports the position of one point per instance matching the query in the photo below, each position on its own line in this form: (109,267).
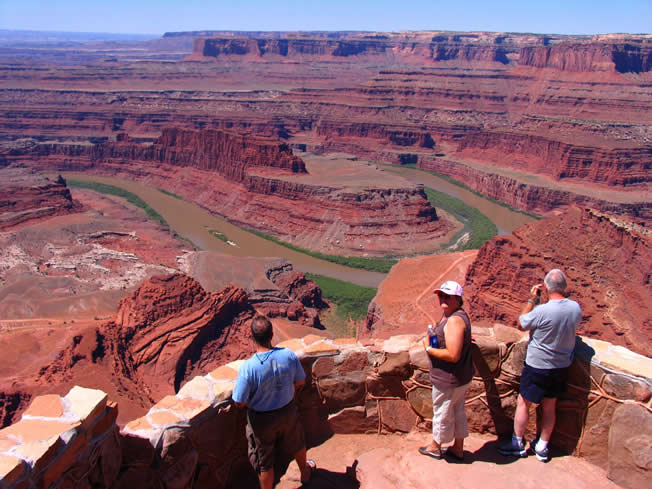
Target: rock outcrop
(549,112)
(196,438)
(627,56)
(171,327)
(257,183)
(272,285)
(610,166)
(567,53)
(28,196)
(533,197)
(224,152)
(607,260)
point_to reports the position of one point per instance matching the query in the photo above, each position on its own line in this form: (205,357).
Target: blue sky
(158,16)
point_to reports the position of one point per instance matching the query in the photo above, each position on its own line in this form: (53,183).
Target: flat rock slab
(393,462)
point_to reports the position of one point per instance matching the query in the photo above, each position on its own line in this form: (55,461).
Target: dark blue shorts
(537,383)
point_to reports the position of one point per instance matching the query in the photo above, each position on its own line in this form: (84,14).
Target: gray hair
(555,281)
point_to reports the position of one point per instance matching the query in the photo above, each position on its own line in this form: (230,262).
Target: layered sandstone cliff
(608,262)
(383,96)
(398,136)
(627,56)
(26,196)
(248,181)
(566,53)
(623,166)
(170,327)
(532,196)
(227,153)
(405,49)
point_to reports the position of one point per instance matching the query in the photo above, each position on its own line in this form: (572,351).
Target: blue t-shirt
(552,329)
(266,381)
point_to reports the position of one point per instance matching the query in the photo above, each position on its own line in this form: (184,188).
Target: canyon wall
(398,136)
(405,49)
(28,196)
(610,166)
(227,153)
(630,53)
(248,183)
(540,104)
(195,438)
(632,56)
(529,196)
(607,260)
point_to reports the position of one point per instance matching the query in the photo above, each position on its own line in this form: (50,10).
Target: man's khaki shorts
(268,431)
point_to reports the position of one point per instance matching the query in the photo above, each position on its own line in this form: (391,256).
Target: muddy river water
(195,223)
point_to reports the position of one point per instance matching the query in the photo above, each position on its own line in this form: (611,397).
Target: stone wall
(196,437)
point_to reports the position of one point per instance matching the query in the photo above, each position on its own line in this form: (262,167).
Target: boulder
(630,450)
(486,356)
(421,401)
(178,459)
(354,420)
(386,386)
(396,364)
(343,391)
(397,415)
(595,443)
(513,364)
(625,387)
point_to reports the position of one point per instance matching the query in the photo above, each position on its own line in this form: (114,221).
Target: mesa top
(266,381)
(552,329)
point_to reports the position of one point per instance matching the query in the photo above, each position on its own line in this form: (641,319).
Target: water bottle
(434,343)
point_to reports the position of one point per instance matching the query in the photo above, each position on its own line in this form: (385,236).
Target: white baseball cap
(450,287)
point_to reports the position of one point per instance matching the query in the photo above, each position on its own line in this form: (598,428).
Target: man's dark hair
(261,330)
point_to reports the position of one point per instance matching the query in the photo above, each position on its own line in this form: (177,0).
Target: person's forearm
(443,354)
(529,305)
(533,300)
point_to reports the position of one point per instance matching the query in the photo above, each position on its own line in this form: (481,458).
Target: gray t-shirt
(552,329)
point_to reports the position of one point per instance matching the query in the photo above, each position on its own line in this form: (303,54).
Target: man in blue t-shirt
(265,385)
(552,329)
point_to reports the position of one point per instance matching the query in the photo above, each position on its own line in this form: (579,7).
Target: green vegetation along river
(199,226)
(210,232)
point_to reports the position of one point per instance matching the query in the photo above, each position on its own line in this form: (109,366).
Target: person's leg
(300,457)
(522,416)
(293,440)
(461,425)
(516,446)
(548,418)
(266,479)
(442,429)
(260,441)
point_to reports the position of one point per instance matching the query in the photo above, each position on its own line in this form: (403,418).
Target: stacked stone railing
(195,439)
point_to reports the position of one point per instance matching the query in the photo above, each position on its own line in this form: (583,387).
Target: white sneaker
(542,455)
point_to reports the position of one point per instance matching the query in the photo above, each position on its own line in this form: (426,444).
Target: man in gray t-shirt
(552,329)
